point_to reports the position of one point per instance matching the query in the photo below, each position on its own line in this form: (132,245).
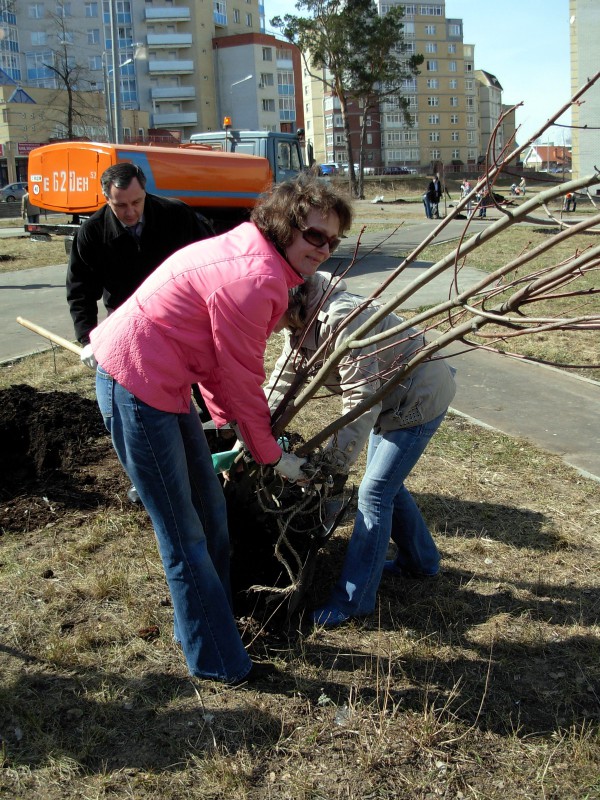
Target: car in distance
(328,169)
(13,191)
(395,171)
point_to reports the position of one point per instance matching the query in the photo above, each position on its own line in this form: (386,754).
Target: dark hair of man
(120,176)
(285,208)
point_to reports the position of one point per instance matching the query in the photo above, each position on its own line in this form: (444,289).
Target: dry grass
(24,252)
(558,347)
(482,684)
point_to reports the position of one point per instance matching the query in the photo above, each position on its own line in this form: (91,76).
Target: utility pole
(116,73)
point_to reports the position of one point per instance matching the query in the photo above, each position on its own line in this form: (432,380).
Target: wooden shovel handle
(54,337)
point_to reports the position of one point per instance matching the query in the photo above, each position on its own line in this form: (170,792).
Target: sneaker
(391,568)
(329,617)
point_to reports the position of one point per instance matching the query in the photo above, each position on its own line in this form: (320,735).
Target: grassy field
(482,685)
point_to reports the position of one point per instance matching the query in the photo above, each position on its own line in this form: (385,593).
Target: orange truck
(222,185)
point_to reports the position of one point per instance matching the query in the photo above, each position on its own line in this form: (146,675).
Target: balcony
(167,14)
(173,93)
(170,67)
(177,119)
(157,40)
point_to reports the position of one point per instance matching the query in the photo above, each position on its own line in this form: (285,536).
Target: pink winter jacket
(204,316)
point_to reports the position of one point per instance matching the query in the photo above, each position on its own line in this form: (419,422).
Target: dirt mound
(55,457)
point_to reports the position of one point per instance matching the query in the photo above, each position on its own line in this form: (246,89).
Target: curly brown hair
(285,208)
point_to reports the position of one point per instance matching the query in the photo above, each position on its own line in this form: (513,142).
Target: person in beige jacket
(397,429)
(29,212)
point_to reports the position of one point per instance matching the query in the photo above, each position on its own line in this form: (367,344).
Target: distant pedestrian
(570,202)
(465,190)
(432,197)
(28,211)
(522,186)
(483,199)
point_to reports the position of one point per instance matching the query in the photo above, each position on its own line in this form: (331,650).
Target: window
(284,54)
(430,11)
(268,105)
(93,36)
(248,20)
(369,138)
(455,30)
(66,37)
(470,102)
(456,154)
(236,15)
(63,10)
(435,154)
(452,66)
(433,101)
(94,62)
(454,119)
(470,120)
(37,73)
(38,38)
(430,30)
(266,79)
(433,83)
(434,136)
(285,82)
(91,10)
(434,119)
(36,11)
(431,47)
(431,66)
(454,102)
(409,29)
(455,136)
(453,83)
(469,84)
(287,109)
(267,54)
(401,137)
(452,48)
(471,137)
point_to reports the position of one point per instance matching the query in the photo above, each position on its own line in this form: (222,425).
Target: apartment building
(453,108)
(584,33)
(187,63)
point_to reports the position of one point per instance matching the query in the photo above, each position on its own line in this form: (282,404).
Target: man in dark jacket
(116,249)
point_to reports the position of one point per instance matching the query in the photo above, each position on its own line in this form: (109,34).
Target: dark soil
(56,459)
(58,464)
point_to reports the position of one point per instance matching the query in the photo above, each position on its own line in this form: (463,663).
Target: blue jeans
(167,458)
(386,510)
(427,204)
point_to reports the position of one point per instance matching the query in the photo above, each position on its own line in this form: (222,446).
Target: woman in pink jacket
(204,316)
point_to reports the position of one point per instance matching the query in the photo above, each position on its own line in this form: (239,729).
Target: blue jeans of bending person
(167,458)
(386,510)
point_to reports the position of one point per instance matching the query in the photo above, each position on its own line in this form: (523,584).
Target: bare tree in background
(77,116)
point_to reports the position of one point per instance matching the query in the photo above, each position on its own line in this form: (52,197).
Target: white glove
(87,357)
(290,466)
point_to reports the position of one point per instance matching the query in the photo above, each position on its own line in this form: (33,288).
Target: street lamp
(113,109)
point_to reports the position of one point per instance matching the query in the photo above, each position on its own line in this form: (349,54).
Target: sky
(524,43)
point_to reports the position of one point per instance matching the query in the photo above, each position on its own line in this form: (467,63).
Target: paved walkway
(555,410)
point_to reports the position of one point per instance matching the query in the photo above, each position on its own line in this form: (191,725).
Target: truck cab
(282,150)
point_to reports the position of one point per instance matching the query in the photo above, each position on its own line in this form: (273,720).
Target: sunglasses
(318,239)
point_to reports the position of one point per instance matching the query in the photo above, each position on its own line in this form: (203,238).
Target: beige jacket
(422,396)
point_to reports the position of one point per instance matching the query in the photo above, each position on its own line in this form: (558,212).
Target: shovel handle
(54,337)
